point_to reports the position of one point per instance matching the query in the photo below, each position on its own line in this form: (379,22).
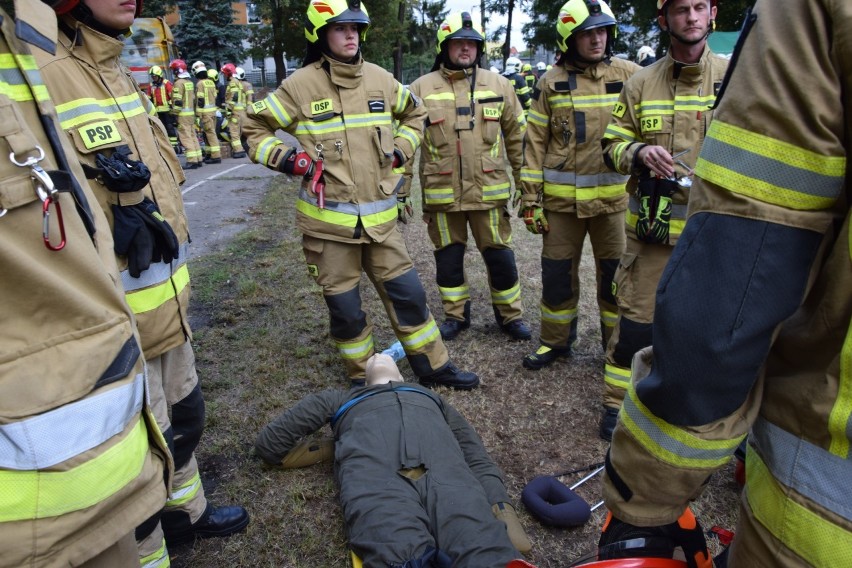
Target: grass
(262,343)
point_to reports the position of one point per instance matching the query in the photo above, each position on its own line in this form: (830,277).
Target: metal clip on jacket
(318,180)
(46,192)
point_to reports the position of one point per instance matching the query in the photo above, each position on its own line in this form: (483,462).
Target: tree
(207,32)
(284,33)
(156,8)
(504,8)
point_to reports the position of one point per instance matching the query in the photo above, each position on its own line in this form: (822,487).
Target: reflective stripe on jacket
(562,155)
(205,96)
(100,108)
(161,95)
(666,104)
(344,112)
(183,98)
(462,164)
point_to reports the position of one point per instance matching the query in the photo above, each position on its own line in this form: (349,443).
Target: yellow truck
(151,43)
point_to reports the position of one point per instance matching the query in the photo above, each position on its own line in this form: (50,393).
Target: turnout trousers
(208,126)
(635,285)
(188,138)
(492,233)
(561,253)
(179,410)
(338,266)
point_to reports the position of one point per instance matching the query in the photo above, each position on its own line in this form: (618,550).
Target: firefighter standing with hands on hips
(234,101)
(135,176)
(753,323)
(473,116)
(160,93)
(183,108)
(81,457)
(568,190)
(656,132)
(341,110)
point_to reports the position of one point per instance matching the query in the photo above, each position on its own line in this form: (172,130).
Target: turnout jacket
(100,108)
(234,96)
(668,104)
(76,469)
(472,115)
(343,113)
(206,93)
(563,168)
(769,228)
(183,98)
(161,95)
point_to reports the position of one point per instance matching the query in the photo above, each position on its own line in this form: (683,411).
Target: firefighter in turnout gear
(473,116)
(82,461)
(655,135)
(135,176)
(566,184)
(522,90)
(753,323)
(183,108)
(529,76)
(234,104)
(248,98)
(205,111)
(341,109)
(160,93)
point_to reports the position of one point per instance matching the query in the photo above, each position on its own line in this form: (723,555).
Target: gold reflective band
(29,495)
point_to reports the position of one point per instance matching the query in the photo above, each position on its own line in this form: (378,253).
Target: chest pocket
(436,126)
(323,125)
(492,109)
(96,135)
(656,129)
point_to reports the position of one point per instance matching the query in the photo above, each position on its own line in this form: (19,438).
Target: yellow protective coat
(69,489)
(183,106)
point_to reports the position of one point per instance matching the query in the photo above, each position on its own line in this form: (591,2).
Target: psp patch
(376,106)
(100,133)
(259,106)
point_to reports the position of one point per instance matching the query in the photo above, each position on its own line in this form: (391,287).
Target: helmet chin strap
(692,42)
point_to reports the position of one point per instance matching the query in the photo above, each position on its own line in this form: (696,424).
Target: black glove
(655,209)
(404,211)
(657,542)
(143,235)
(121,174)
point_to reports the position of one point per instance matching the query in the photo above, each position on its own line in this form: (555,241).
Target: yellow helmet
(578,15)
(212,74)
(156,71)
(323,12)
(459,26)
(527,68)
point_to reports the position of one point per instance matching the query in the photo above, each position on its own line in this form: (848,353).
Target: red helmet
(65,6)
(178,66)
(228,69)
(661,5)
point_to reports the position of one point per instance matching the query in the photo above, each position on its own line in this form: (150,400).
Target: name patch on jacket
(258,107)
(322,107)
(489,113)
(100,133)
(619,109)
(651,124)
(376,106)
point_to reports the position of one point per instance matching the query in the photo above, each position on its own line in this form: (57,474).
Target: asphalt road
(219,198)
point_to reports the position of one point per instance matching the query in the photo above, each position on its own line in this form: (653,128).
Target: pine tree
(207,32)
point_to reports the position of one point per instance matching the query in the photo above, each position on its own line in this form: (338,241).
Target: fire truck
(151,43)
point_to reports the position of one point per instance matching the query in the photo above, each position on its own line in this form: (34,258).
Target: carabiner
(45,227)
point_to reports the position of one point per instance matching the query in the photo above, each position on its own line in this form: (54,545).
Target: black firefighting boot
(451,376)
(517,330)
(544,356)
(214,522)
(451,328)
(608,419)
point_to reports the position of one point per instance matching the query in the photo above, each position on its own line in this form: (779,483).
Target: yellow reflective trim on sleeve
(409,134)
(537,119)
(142,301)
(29,495)
(615,132)
(812,537)
(841,413)
(532,176)
(264,149)
(671,444)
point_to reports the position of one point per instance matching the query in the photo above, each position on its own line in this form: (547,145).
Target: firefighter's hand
(535,220)
(685,533)
(403,209)
(297,164)
(398,159)
(506,513)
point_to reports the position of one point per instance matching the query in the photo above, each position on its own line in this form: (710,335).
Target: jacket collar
(346,75)
(594,71)
(93,47)
(689,71)
(456,74)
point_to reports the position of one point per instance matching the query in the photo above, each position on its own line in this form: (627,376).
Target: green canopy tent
(722,43)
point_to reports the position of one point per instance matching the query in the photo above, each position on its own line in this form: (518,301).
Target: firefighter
(529,76)
(463,174)
(424,489)
(234,103)
(753,327)
(135,176)
(82,461)
(656,131)
(247,99)
(347,203)
(160,92)
(568,190)
(645,56)
(183,107)
(512,72)
(205,112)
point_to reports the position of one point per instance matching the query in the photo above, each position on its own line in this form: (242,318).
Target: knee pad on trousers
(449,265)
(607,268)
(632,336)
(501,267)
(347,319)
(188,424)
(408,297)
(556,280)
(144,530)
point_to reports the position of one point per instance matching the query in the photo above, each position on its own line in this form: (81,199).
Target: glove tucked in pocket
(143,235)
(119,173)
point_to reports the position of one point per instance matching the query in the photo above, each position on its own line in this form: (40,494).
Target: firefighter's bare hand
(658,160)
